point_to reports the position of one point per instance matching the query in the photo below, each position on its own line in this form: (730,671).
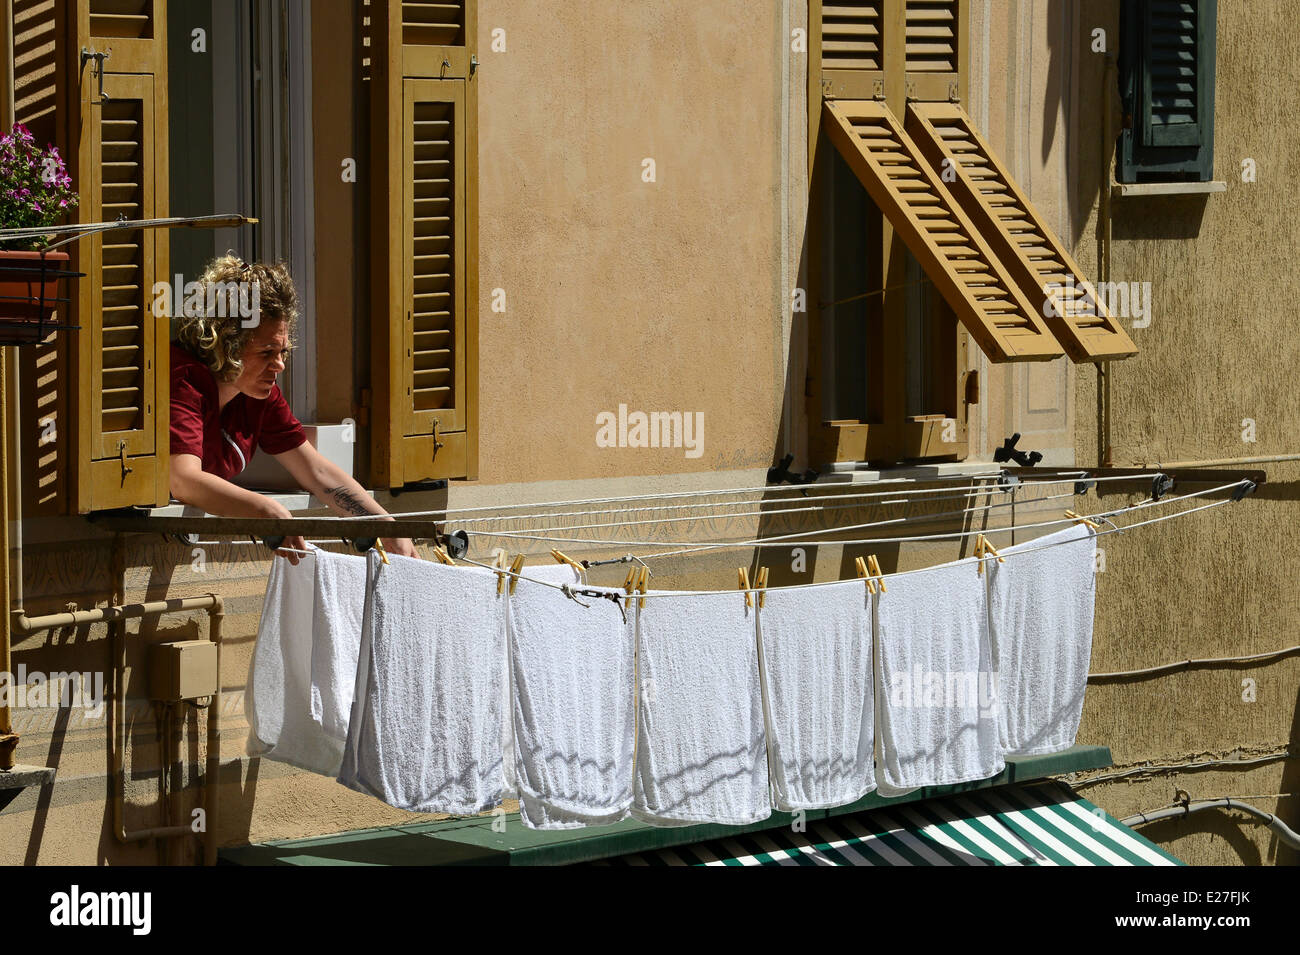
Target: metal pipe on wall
(116,616)
(8,741)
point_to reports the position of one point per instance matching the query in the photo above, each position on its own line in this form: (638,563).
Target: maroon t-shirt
(224,439)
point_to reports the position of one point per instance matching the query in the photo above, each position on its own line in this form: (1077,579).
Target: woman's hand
(295,542)
(402,546)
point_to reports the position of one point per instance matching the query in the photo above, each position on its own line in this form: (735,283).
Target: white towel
(278,696)
(573,703)
(425,733)
(936,704)
(701,753)
(816,645)
(336,638)
(1040,615)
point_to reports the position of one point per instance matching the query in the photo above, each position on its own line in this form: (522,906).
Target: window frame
(889,434)
(1138,162)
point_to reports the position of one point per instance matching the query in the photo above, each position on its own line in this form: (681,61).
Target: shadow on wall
(1157,217)
(1224,825)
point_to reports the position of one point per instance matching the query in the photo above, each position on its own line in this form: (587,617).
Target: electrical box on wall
(182,670)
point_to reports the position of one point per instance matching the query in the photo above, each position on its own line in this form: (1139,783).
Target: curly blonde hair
(217,335)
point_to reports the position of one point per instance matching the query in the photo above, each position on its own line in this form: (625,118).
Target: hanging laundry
(340,598)
(573,703)
(701,750)
(936,692)
(816,657)
(425,732)
(1041,608)
(278,700)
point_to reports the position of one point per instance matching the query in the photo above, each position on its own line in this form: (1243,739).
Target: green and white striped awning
(1046,824)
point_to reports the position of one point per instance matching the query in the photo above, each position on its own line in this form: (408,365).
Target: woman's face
(264,355)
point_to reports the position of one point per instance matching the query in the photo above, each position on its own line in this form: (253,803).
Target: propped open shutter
(969,275)
(1167,70)
(123,347)
(423,373)
(1033,255)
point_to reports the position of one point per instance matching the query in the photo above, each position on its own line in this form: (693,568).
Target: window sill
(1119,190)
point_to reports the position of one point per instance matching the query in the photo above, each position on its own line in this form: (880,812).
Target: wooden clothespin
(1082,520)
(873,568)
(744,585)
(515,568)
(566,559)
(379,546)
(641,586)
(861,566)
(630,584)
(760,582)
(984,549)
(500,565)
(443,557)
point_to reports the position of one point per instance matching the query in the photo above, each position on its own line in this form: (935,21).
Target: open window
(919,241)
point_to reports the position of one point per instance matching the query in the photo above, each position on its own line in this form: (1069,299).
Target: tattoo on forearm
(347,500)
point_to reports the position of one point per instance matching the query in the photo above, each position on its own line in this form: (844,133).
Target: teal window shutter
(1167,88)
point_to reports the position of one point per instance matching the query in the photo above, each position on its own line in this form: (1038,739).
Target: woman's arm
(192,485)
(338,489)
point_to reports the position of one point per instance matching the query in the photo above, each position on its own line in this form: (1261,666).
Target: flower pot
(29,294)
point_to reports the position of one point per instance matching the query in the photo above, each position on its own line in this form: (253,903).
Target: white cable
(1021,549)
(792,510)
(682,495)
(686,547)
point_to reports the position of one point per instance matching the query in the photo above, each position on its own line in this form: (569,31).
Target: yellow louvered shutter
(121,152)
(1035,257)
(424,371)
(934,53)
(949,247)
(852,47)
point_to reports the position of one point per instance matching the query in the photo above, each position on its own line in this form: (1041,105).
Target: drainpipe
(8,741)
(1279,828)
(1104,456)
(116,617)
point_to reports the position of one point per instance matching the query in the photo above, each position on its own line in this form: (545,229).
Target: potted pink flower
(35,191)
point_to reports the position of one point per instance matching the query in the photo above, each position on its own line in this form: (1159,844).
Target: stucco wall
(1220,348)
(672,296)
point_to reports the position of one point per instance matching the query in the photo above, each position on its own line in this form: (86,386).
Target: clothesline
(811,507)
(792,539)
(948,492)
(1023,549)
(1080,475)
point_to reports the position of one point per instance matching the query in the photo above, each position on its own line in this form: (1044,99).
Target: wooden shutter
(969,275)
(1034,256)
(851,38)
(1167,72)
(122,353)
(935,48)
(424,225)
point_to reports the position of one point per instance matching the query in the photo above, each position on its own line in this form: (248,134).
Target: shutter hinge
(878,89)
(363,408)
(954,96)
(437,445)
